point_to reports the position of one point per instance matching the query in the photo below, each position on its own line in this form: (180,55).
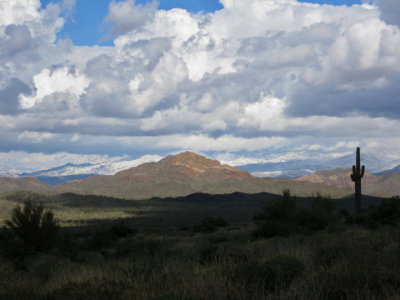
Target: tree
(35,227)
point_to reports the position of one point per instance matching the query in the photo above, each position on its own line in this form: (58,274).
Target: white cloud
(162,82)
(255,74)
(223,143)
(59,81)
(126,15)
(19,11)
(75,138)
(264,113)
(339,145)
(35,137)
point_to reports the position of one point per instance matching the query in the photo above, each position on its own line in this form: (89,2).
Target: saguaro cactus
(358,173)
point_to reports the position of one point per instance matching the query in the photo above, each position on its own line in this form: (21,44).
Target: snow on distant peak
(101,168)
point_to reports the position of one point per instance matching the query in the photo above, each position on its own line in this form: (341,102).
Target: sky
(86,81)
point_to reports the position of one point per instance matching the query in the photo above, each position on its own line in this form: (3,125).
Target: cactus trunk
(358,173)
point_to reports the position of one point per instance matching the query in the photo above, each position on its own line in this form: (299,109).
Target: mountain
(57,171)
(68,172)
(384,186)
(396,169)
(189,173)
(23,184)
(184,174)
(295,168)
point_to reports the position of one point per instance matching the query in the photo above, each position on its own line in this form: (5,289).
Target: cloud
(126,15)
(19,11)
(9,96)
(390,10)
(50,82)
(25,161)
(35,137)
(68,6)
(223,143)
(339,145)
(253,76)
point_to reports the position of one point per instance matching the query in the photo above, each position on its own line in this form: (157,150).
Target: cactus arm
(362,171)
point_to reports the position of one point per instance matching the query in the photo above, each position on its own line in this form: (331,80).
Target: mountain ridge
(187,173)
(386,185)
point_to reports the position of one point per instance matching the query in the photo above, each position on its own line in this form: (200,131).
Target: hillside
(385,186)
(23,184)
(184,174)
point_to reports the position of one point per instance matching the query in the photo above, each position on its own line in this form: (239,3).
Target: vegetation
(34,227)
(323,254)
(283,216)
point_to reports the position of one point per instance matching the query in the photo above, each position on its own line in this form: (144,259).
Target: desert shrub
(259,217)
(102,239)
(318,216)
(386,213)
(282,270)
(210,224)
(122,230)
(282,216)
(268,229)
(282,208)
(33,226)
(327,254)
(208,254)
(275,274)
(108,236)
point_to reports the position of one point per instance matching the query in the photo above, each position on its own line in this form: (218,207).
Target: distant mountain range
(283,169)
(299,167)
(174,176)
(70,171)
(187,173)
(385,185)
(392,170)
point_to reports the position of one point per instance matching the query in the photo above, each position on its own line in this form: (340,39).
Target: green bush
(36,228)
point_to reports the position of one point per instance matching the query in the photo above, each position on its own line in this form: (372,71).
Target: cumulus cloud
(127,15)
(19,11)
(390,10)
(255,75)
(50,82)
